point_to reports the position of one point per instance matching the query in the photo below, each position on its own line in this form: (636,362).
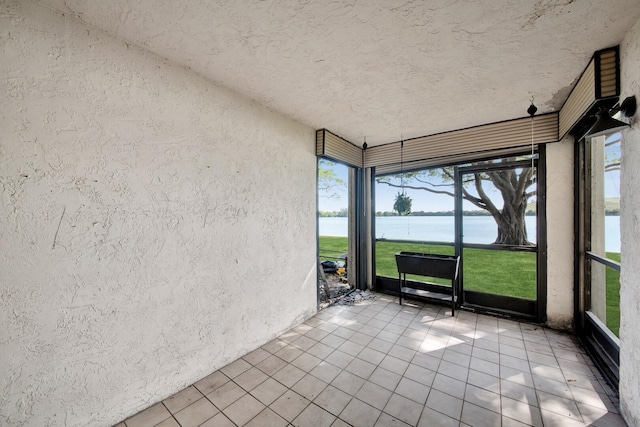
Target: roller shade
(504,138)
(332,146)
(600,80)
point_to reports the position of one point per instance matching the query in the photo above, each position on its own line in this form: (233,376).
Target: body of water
(477,229)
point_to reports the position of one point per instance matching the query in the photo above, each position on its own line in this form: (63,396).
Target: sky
(385,197)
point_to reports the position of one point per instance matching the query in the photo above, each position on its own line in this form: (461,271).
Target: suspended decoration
(402,164)
(532,111)
(364,148)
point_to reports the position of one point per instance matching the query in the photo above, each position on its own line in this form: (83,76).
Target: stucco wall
(630,232)
(153,226)
(560,200)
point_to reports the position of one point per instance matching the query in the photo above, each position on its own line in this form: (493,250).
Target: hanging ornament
(532,111)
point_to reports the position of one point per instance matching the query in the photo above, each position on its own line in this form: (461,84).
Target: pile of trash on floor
(334,286)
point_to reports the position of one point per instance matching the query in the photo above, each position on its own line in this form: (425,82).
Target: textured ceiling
(376,68)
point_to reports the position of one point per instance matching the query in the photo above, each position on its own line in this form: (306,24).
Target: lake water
(477,229)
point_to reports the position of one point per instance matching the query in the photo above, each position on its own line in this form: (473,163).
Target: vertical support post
(541,238)
(360,225)
(458,234)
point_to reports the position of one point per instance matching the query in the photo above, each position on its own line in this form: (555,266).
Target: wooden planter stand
(431,265)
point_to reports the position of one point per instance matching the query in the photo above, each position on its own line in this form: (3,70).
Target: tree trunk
(512,229)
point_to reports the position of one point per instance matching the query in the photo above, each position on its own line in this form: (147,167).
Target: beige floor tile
(275,345)
(453,370)
(304,343)
(483,398)
(385,378)
(432,418)
(289,375)
(380,345)
(406,365)
(317,334)
(250,379)
(306,362)
(413,390)
(314,416)
(339,359)
(358,413)
(402,353)
(374,395)
(449,385)
(521,412)
(333,341)
(361,368)
(267,418)
(564,407)
(289,353)
(444,403)
(271,365)
(326,371)
(309,387)
(372,356)
(404,409)
(510,422)
(149,417)
(339,423)
(256,356)
(333,400)
(485,367)
(519,392)
(516,376)
(268,391)
(226,395)
(320,350)
(181,400)
(600,418)
(419,374)
(394,364)
(485,381)
(196,413)
(289,405)
(211,382)
(351,348)
(552,419)
(558,388)
(348,382)
(478,416)
(386,420)
(243,409)
(234,369)
(427,361)
(169,422)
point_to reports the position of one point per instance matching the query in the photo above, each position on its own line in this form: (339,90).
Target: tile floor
(381,364)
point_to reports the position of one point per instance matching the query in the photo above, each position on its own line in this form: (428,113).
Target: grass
(497,272)
(613,296)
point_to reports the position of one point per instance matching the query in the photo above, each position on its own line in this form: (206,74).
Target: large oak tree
(515,185)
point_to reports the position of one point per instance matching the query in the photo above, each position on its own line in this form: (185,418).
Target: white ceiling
(377,68)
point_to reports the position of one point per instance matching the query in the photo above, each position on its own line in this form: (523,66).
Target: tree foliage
(330,185)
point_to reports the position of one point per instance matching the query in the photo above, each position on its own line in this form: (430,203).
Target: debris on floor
(355,297)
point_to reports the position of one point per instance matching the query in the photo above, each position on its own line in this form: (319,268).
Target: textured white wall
(630,232)
(153,226)
(560,248)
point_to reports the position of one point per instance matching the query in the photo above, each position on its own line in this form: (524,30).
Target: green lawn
(498,272)
(613,296)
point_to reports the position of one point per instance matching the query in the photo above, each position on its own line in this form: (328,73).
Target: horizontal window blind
(333,147)
(600,80)
(465,144)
